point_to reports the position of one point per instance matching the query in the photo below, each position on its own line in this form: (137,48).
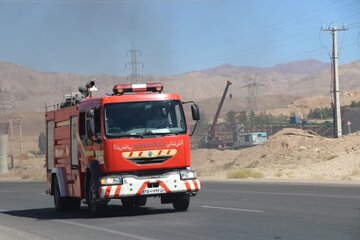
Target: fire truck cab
(131,145)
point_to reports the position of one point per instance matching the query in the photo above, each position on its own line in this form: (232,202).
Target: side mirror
(195,112)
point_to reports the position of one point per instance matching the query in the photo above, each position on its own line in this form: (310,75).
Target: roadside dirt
(30,166)
(31,169)
(289,154)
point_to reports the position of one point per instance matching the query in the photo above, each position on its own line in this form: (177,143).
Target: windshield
(144,118)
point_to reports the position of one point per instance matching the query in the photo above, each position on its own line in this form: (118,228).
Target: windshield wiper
(127,135)
(149,133)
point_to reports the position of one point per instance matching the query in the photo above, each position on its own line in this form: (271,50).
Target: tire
(63,204)
(59,202)
(181,203)
(95,207)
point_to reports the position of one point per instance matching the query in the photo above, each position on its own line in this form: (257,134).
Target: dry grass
(245,173)
(331,157)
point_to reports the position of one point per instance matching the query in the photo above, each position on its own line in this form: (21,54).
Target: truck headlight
(187,174)
(110,180)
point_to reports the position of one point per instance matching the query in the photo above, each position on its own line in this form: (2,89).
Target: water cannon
(88,88)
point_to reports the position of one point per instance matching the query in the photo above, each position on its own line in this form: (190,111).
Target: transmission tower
(252,95)
(335,73)
(134,77)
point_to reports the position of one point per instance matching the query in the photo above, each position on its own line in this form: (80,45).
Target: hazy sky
(92,37)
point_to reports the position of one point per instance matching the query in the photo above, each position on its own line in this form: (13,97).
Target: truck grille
(149,160)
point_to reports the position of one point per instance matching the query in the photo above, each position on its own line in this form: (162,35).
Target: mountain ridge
(31,88)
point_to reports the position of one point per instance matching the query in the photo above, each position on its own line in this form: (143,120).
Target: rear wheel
(95,206)
(181,203)
(59,201)
(64,203)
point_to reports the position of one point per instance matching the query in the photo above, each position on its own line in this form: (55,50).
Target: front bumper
(149,186)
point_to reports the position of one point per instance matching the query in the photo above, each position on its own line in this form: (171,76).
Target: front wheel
(181,203)
(95,206)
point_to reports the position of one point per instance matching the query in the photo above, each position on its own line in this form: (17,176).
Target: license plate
(152,191)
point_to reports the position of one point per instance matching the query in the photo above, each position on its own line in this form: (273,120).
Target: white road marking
(234,209)
(120,233)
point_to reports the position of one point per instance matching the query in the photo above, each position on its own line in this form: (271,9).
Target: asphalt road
(235,210)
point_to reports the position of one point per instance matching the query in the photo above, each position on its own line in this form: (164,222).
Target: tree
(230,117)
(320,113)
(355,104)
(232,121)
(251,118)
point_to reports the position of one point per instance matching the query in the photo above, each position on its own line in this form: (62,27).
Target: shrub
(244,173)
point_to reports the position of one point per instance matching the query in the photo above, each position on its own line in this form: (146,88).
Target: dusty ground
(29,166)
(289,154)
(31,169)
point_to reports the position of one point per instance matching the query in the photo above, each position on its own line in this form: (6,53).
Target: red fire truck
(130,145)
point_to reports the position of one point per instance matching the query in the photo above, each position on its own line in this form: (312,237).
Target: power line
(261,48)
(263,30)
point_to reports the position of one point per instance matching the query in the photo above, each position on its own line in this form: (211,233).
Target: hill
(306,67)
(284,85)
(41,87)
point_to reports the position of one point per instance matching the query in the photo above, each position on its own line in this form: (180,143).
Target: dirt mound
(291,153)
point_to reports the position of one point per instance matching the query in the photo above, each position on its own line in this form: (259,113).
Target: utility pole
(336,88)
(134,63)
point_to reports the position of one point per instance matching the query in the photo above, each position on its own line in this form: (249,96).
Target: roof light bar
(147,87)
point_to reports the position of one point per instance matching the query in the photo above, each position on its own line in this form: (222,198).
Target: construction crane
(212,130)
